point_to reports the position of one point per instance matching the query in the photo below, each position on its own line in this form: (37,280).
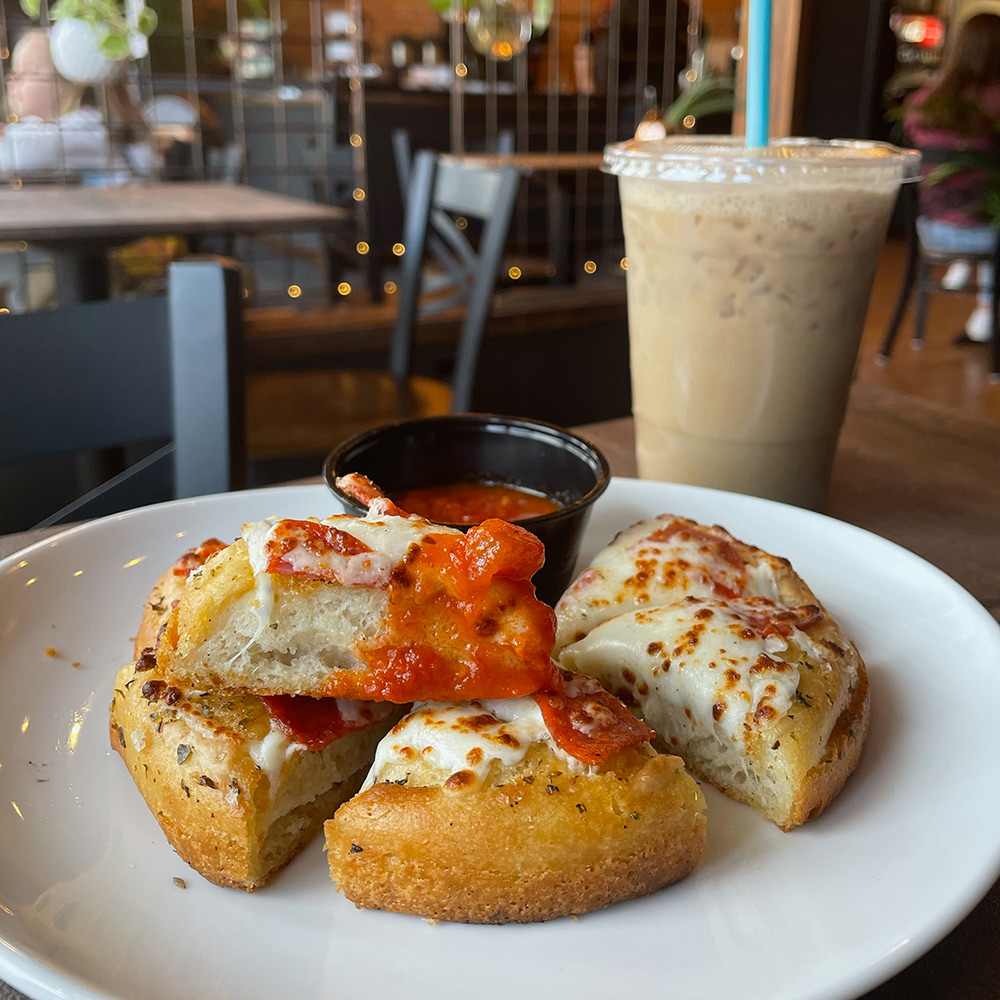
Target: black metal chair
(113,374)
(918,274)
(307,413)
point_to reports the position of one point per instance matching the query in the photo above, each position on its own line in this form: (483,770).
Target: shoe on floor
(957,276)
(978,326)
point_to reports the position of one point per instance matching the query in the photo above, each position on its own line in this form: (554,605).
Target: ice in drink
(748,280)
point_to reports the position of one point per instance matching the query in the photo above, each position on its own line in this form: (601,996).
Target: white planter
(76,54)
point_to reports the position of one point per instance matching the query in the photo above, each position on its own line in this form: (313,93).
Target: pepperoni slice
(588,722)
(767,619)
(317,540)
(721,547)
(197,556)
(365,491)
(317,722)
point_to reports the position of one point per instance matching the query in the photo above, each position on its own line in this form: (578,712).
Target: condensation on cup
(749,273)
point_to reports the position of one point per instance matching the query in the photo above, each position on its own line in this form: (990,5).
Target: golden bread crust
(532,843)
(189,755)
(208,795)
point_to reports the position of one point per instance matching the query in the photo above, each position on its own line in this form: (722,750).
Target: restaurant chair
(307,413)
(124,373)
(919,275)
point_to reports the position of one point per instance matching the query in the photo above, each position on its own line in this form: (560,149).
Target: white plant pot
(76,54)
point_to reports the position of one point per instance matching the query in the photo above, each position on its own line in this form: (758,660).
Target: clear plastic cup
(749,273)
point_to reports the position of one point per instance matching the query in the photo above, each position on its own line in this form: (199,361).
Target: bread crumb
(76,663)
(180,883)
(50,651)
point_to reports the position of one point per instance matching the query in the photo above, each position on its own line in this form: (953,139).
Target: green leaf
(147,21)
(114,46)
(32,8)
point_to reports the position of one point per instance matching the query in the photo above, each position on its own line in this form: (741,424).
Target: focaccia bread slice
(235,794)
(769,704)
(665,559)
(474,812)
(384,607)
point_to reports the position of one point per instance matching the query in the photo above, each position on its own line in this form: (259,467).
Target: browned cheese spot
(628,675)
(717,709)
(460,780)
(654,648)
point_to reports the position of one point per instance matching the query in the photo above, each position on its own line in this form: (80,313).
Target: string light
(462,222)
(623,263)
(398,249)
(294,291)
(356,139)
(589,266)
(4,310)
(363,247)
(358,194)
(550,270)
(16,183)
(689,121)
(12,119)
(389,287)
(355,84)
(514,272)
(344,288)
(461,69)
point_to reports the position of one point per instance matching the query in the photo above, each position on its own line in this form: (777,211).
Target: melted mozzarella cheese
(467,736)
(637,571)
(389,539)
(697,664)
(270,753)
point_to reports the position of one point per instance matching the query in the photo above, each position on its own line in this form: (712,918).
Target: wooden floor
(943,373)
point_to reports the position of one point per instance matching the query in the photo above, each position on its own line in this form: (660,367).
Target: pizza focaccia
(665,559)
(518,809)
(767,703)
(238,784)
(386,608)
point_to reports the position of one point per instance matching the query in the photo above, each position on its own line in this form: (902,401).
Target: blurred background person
(54,129)
(959,116)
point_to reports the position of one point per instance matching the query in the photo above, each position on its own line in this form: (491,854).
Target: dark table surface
(926,478)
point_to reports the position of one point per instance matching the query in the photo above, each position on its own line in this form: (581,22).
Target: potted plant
(90,38)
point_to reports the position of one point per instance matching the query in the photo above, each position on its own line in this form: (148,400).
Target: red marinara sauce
(471,503)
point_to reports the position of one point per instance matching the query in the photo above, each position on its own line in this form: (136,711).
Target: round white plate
(88,907)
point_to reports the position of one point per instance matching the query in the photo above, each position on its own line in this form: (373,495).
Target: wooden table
(78,224)
(927,479)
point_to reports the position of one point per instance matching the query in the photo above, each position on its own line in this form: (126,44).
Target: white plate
(88,907)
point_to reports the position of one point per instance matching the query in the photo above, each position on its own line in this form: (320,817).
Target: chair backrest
(437,188)
(109,374)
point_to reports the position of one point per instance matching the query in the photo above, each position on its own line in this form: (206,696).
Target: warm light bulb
(363,247)
(294,291)
(589,266)
(398,249)
(344,288)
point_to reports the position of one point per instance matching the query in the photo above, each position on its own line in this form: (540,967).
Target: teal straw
(758,72)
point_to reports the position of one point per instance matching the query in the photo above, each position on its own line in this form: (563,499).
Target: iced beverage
(749,273)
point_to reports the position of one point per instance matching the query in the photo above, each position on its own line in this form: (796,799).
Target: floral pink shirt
(954,199)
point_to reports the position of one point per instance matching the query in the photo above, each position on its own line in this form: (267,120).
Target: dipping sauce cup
(529,455)
(749,272)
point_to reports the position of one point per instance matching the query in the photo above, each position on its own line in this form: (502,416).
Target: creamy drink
(749,273)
